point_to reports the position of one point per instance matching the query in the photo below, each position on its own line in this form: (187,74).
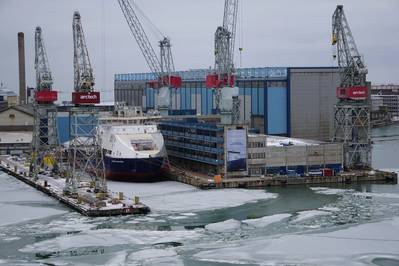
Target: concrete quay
(208,182)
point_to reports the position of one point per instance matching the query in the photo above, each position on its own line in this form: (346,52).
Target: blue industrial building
(271,98)
(257,87)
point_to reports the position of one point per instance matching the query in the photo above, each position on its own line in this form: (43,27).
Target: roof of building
(200,74)
(278,141)
(27,109)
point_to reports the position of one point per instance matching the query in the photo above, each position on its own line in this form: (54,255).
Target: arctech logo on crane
(353,93)
(86,97)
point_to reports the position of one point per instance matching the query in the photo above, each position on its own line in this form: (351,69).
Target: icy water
(337,225)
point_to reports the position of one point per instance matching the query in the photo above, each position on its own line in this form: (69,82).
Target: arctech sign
(353,93)
(85,97)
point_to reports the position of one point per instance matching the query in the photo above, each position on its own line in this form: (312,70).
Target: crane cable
(157,33)
(240,30)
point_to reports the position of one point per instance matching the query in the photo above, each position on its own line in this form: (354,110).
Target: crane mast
(167,65)
(352,112)
(162,67)
(349,60)
(44,79)
(225,41)
(84,78)
(85,157)
(222,80)
(45,135)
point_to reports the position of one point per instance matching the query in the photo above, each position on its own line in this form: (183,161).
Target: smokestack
(21,61)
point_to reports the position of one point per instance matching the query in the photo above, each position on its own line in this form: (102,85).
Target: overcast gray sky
(273,33)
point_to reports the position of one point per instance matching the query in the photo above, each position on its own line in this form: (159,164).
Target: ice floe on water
(225,226)
(71,224)
(11,238)
(188,214)
(377,195)
(206,200)
(176,197)
(149,189)
(330,209)
(145,219)
(330,191)
(342,247)
(305,215)
(21,213)
(155,256)
(145,257)
(107,238)
(177,217)
(267,220)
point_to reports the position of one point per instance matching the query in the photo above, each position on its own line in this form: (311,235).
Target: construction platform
(207,182)
(86,202)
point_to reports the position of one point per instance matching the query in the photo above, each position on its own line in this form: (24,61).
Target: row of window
(192,152)
(256,144)
(260,155)
(188,141)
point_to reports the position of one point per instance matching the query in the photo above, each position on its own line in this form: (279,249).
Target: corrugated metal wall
(312,100)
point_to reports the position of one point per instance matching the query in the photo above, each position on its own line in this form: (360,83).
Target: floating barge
(86,202)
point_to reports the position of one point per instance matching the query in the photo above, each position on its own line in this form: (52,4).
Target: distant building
(16,126)
(388,95)
(297,102)
(7,97)
(386,89)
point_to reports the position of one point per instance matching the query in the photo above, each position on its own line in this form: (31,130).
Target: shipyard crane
(83,72)
(223,79)
(44,79)
(45,137)
(85,157)
(162,67)
(352,112)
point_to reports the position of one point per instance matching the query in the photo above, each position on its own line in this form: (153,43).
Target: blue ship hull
(135,169)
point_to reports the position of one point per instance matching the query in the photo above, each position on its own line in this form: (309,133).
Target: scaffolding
(352,127)
(85,157)
(46,153)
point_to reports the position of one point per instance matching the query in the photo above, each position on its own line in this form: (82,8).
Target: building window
(11,116)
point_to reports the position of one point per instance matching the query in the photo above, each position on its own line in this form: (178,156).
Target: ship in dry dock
(133,146)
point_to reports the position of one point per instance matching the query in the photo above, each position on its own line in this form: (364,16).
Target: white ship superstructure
(133,146)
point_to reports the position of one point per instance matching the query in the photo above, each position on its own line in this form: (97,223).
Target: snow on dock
(85,202)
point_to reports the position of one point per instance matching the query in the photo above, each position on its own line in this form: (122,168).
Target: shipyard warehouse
(293,102)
